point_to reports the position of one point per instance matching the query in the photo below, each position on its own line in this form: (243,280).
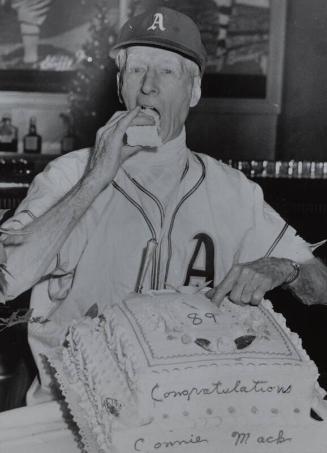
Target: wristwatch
(294,274)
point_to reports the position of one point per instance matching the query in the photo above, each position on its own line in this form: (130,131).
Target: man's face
(158,79)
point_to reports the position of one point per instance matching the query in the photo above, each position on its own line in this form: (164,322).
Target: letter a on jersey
(157,22)
(204,249)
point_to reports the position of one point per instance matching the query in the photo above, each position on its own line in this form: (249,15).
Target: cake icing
(143,136)
(167,370)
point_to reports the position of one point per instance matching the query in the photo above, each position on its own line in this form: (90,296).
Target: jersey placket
(161,230)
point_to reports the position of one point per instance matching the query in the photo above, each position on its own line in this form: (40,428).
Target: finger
(245,277)
(226,285)
(260,292)
(112,122)
(125,122)
(250,287)
(257,297)
(109,138)
(102,134)
(11,231)
(209,294)
(14,239)
(129,151)
(236,292)
(108,127)
(117,116)
(115,122)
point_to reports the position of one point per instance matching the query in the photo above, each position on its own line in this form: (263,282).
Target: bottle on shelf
(68,141)
(32,142)
(8,134)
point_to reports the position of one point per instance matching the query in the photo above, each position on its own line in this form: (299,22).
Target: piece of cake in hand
(147,135)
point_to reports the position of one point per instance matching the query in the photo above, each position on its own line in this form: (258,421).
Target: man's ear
(119,80)
(196,91)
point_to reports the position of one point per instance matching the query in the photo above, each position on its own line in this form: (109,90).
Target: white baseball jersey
(205,215)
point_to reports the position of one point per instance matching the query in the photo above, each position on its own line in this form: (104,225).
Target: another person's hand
(247,283)
(110,151)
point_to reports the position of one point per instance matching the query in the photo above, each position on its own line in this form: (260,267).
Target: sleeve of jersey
(270,235)
(46,189)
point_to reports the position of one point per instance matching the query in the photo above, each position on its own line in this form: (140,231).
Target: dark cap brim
(161,44)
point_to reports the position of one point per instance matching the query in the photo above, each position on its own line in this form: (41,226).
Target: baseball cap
(164,28)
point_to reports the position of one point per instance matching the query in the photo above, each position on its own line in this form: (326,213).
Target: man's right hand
(109,151)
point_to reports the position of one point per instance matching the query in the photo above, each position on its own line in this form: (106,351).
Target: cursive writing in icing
(219,388)
(243,438)
(240,438)
(142,445)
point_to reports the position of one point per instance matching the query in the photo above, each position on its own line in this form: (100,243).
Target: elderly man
(79,236)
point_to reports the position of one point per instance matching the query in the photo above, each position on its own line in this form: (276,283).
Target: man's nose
(150,82)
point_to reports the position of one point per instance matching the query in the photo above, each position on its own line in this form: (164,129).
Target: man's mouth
(149,137)
(151,112)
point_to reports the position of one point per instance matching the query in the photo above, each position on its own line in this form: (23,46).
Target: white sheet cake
(171,372)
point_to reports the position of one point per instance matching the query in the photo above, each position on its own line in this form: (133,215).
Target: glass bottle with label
(32,142)
(8,134)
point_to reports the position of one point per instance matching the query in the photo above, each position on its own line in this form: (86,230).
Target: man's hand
(110,151)
(247,283)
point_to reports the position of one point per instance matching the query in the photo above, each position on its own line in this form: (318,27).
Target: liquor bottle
(68,141)
(8,134)
(32,142)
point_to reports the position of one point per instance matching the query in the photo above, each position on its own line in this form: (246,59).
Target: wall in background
(240,136)
(302,125)
(302,132)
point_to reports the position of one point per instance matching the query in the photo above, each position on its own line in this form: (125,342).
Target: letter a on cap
(157,22)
